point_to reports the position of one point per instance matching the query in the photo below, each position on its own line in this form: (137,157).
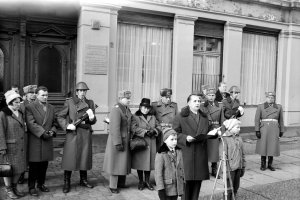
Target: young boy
(234,151)
(169,174)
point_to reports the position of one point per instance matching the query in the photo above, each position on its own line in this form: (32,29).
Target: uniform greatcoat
(78,145)
(215,111)
(38,122)
(165,114)
(268,144)
(169,173)
(144,159)
(230,107)
(118,162)
(13,140)
(194,154)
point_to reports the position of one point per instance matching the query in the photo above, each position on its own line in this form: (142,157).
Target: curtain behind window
(258,71)
(143,60)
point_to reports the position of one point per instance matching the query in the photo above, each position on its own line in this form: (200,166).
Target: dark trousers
(37,173)
(191,190)
(235,178)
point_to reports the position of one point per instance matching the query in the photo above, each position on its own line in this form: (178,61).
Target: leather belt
(269,120)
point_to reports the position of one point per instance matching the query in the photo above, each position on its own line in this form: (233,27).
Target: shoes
(33,192)
(43,188)
(10,193)
(271,168)
(114,191)
(149,186)
(84,183)
(141,185)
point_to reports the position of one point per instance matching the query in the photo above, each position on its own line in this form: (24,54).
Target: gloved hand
(120,147)
(151,133)
(90,113)
(241,109)
(3,152)
(71,127)
(46,136)
(258,135)
(200,137)
(162,194)
(242,172)
(280,134)
(52,133)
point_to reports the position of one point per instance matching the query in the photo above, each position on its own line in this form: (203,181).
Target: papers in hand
(214,132)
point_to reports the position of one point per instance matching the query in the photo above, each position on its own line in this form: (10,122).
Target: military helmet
(81,86)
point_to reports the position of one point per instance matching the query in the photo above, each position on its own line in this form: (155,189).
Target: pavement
(284,183)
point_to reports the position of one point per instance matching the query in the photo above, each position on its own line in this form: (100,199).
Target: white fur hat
(11,95)
(230,123)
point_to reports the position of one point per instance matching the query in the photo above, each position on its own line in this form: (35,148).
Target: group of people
(27,128)
(179,144)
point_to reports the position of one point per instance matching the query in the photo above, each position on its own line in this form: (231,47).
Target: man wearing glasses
(231,105)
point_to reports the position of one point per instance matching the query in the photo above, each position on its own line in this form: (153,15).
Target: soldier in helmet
(165,110)
(78,145)
(231,105)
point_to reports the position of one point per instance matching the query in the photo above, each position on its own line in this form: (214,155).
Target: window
(258,70)
(207,62)
(1,71)
(143,60)
(50,69)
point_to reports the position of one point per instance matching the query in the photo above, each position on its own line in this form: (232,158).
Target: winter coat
(13,140)
(78,145)
(144,159)
(118,162)
(230,108)
(215,111)
(234,151)
(195,153)
(38,122)
(268,144)
(169,172)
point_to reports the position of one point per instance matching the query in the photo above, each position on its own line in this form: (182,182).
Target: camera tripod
(225,163)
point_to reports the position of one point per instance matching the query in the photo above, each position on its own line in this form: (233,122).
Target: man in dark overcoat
(215,111)
(41,124)
(117,159)
(269,128)
(221,92)
(77,154)
(191,124)
(231,105)
(165,111)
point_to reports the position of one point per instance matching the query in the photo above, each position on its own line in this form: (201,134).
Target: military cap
(124,94)
(29,89)
(204,87)
(234,89)
(270,94)
(165,92)
(211,90)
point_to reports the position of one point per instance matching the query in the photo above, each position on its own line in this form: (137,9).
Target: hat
(234,89)
(167,132)
(204,87)
(230,123)
(145,102)
(81,86)
(211,90)
(10,95)
(165,92)
(29,89)
(270,94)
(124,94)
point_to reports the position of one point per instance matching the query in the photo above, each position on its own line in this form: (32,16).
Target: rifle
(83,117)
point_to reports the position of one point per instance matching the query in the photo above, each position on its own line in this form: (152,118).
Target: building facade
(144,46)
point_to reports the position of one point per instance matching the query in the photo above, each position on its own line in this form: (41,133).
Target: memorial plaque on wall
(95,59)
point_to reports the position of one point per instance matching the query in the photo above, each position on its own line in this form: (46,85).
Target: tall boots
(214,169)
(10,192)
(270,161)
(147,180)
(83,179)
(263,163)
(67,181)
(141,184)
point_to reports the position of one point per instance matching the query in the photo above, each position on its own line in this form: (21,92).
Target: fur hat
(165,92)
(145,102)
(270,94)
(29,89)
(230,123)
(10,95)
(167,132)
(124,94)
(211,90)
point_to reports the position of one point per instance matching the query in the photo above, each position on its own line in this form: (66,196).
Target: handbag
(137,143)
(6,169)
